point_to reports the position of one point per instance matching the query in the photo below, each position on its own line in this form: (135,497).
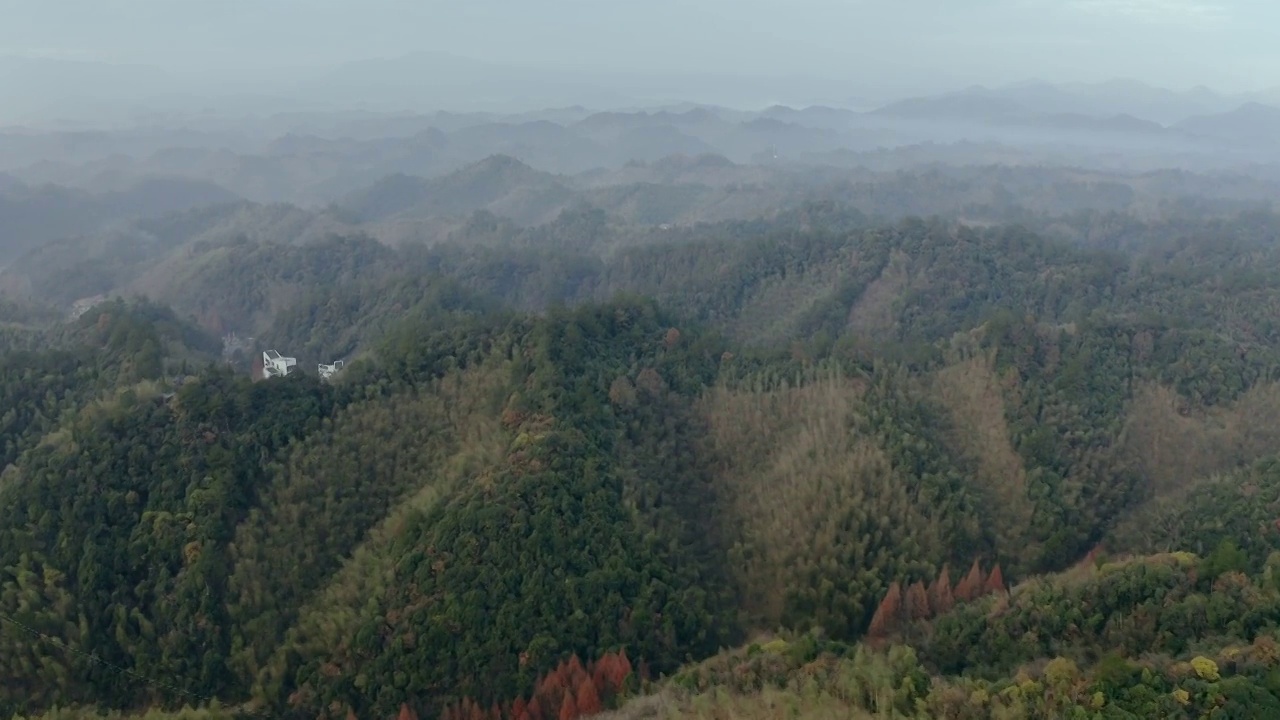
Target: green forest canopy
(694,442)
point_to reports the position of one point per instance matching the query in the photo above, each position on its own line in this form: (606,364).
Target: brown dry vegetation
(779,452)
(456,435)
(801,488)
(766,681)
(873,314)
(1174,446)
(972,395)
(774,308)
(811,703)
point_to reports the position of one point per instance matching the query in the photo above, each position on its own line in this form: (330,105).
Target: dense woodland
(819,463)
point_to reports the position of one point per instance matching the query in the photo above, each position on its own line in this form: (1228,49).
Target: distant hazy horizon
(1225,44)
(91,93)
(506,55)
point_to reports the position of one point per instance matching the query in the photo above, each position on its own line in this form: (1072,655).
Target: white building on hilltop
(84,305)
(276,365)
(328,371)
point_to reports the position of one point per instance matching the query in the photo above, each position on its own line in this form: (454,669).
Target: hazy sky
(1227,44)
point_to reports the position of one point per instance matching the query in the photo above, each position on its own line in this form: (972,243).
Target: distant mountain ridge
(1123,123)
(316,158)
(1123,109)
(499,183)
(31,216)
(1251,123)
(1102,100)
(39,90)
(963,105)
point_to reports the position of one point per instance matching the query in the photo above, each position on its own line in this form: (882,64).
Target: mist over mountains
(632,395)
(293,150)
(415,175)
(41,90)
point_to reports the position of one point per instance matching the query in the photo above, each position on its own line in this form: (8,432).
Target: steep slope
(340,484)
(222,506)
(330,322)
(137,502)
(1238,507)
(118,259)
(492,506)
(242,285)
(1160,636)
(821,500)
(583,518)
(66,366)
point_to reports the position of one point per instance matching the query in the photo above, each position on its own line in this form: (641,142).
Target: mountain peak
(501,161)
(969,106)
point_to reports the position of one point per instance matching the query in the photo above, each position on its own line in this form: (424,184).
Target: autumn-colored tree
(534,710)
(576,673)
(886,616)
(972,586)
(622,392)
(406,713)
(552,686)
(1092,556)
(623,667)
(519,709)
(600,674)
(1265,649)
(551,680)
(995,582)
(351,714)
(651,382)
(610,672)
(568,708)
(588,699)
(511,418)
(940,596)
(917,601)
(671,338)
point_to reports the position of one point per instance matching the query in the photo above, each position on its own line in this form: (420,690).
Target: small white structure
(276,365)
(328,371)
(84,305)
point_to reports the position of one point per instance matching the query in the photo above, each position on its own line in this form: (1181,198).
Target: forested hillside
(920,468)
(501,201)
(33,216)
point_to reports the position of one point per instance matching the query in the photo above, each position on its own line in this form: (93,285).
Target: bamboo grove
(853,469)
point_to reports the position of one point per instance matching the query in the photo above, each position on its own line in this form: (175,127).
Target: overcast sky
(1226,44)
